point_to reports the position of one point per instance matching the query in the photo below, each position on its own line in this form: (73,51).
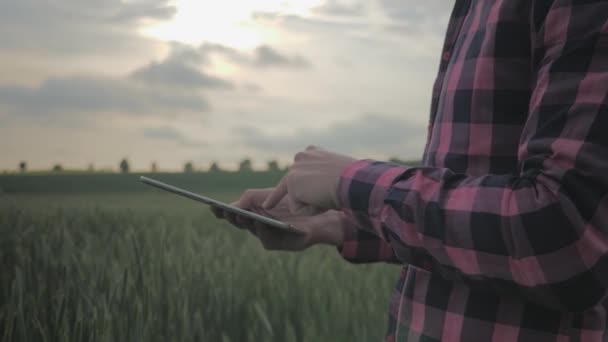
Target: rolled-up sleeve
(542,231)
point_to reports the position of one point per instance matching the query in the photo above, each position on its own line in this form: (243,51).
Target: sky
(89,82)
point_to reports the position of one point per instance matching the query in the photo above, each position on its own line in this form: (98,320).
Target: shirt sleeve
(542,232)
(361,246)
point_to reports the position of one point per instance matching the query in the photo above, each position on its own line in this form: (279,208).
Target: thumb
(276,195)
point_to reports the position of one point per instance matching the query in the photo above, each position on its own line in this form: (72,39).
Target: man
(504,230)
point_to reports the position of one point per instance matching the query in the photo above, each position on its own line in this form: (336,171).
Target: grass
(150,267)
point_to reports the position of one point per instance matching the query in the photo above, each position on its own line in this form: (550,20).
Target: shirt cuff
(360,246)
(362,190)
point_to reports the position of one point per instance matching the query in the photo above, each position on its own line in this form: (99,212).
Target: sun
(226,22)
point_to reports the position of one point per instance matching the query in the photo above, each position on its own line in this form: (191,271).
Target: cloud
(396,10)
(168,133)
(81,95)
(150,9)
(370,134)
(188,54)
(209,49)
(176,73)
(416,16)
(76,12)
(265,57)
(364,17)
(78,26)
(341,8)
(179,74)
(181,68)
(309,25)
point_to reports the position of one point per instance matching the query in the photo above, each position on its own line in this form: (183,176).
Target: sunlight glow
(226,22)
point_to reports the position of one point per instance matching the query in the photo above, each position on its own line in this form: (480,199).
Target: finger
(244,222)
(247,226)
(276,195)
(295,207)
(252,198)
(230,217)
(217,212)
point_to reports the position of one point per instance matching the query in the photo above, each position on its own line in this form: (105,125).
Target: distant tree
(273,165)
(245,166)
(57,168)
(23,167)
(405,162)
(188,167)
(124,166)
(154,167)
(397,161)
(91,168)
(215,167)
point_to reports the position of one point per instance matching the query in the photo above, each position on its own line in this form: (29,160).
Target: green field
(109,264)
(116,183)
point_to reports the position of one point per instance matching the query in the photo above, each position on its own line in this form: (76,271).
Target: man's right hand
(325,228)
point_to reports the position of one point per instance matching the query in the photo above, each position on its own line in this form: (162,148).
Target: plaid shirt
(504,229)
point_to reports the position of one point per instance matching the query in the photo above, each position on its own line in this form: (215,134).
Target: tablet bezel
(215,203)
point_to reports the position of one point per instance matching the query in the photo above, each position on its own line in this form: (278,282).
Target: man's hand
(311,182)
(327,227)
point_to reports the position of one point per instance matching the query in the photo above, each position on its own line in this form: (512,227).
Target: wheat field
(152,267)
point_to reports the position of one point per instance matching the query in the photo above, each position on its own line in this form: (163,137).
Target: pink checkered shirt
(504,229)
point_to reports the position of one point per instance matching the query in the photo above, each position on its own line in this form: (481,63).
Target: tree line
(245,165)
(124,166)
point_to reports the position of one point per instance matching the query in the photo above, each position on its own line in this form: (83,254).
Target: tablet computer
(214,203)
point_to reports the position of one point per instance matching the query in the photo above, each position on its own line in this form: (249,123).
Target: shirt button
(446,55)
(426,265)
